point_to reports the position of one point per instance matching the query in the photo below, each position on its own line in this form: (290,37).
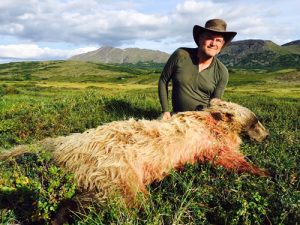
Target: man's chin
(211,53)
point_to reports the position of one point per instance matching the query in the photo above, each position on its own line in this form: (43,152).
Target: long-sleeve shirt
(191,89)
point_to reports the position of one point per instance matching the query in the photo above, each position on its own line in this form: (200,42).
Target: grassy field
(46,99)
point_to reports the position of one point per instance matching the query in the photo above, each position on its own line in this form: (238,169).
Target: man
(196,74)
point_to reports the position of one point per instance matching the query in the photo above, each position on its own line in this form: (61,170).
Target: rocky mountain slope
(261,54)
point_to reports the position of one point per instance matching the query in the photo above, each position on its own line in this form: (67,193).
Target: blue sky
(58,29)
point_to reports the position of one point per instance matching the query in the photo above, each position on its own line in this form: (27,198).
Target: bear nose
(267,136)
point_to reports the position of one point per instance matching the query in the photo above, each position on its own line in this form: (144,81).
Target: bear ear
(229,117)
(216,115)
(226,117)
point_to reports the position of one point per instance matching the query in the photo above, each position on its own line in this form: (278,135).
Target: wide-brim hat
(215,26)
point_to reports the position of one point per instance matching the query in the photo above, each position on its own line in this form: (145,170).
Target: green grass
(46,105)
(71,71)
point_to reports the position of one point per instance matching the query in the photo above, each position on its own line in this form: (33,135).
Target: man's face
(210,43)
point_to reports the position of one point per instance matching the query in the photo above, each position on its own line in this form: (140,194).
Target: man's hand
(166,115)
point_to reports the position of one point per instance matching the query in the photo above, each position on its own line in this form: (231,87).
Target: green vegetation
(293,49)
(79,72)
(276,48)
(46,99)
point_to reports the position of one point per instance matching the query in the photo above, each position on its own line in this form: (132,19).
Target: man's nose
(213,42)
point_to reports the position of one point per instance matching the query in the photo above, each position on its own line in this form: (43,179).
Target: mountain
(247,54)
(109,54)
(261,54)
(297,42)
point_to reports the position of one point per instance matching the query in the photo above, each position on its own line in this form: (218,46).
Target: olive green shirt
(191,89)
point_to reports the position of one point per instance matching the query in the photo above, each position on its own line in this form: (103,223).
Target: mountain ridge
(251,53)
(108,54)
(296,42)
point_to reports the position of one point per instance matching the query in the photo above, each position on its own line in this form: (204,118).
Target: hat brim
(197,30)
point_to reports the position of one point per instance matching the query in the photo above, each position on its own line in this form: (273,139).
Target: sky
(58,29)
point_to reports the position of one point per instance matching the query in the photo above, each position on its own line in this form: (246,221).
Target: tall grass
(200,194)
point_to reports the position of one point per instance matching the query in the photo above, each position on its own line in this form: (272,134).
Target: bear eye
(254,122)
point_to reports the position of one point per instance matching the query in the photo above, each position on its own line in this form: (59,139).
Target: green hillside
(276,48)
(75,71)
(74,74)
(293,49)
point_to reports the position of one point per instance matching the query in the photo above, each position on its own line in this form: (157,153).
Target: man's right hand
(166,115)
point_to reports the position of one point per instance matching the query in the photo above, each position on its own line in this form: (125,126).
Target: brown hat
(215,26)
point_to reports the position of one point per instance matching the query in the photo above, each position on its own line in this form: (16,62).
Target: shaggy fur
(125,156)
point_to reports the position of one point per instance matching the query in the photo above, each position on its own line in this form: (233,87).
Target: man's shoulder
(185,51)
(221,66)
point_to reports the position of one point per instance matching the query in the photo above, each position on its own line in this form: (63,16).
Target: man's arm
(220,88)
(163,82)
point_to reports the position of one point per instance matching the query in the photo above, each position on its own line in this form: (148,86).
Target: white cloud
(34,52)
(130,23)
(192,6)
(12,29)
